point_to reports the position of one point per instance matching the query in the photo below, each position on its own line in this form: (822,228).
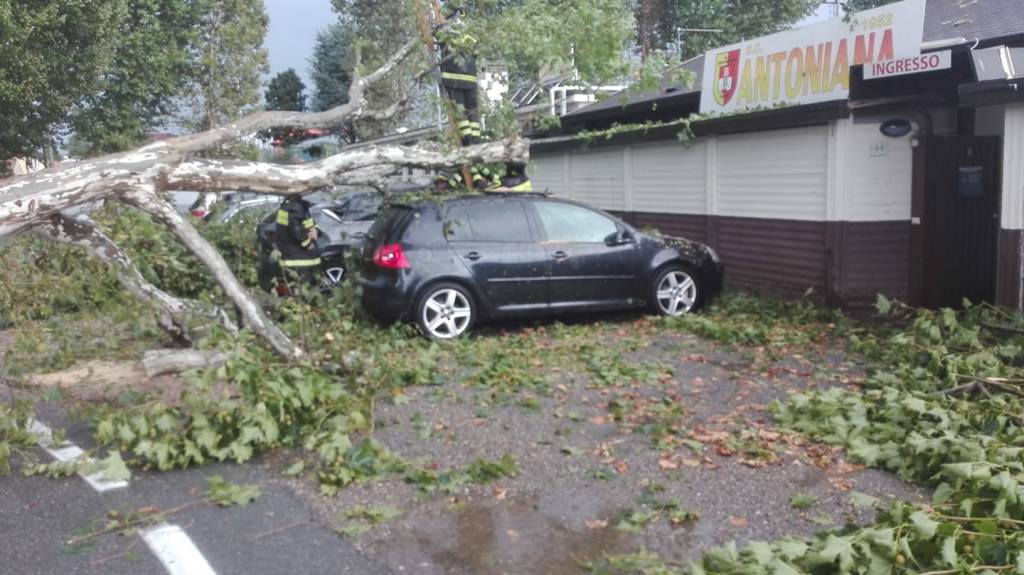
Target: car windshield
(358,207)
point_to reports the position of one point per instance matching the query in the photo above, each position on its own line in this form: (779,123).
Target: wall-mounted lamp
(896,128)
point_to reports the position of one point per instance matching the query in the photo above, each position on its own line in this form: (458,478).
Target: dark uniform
(458,76)
(299,253)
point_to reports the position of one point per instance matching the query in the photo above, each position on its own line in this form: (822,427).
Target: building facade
(911,185)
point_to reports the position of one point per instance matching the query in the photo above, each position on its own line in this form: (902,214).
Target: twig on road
(98,562)
(280,529)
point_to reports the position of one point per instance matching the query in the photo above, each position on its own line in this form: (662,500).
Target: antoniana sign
(810,64)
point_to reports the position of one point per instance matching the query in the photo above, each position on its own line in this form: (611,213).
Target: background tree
(659,22)
(144,80)
(286,92)
(330,67)
(53,53)
(858,5)
(535,37)
(231,61)
(656,24)
(374,29)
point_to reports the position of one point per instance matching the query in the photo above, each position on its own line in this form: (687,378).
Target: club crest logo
(727,69)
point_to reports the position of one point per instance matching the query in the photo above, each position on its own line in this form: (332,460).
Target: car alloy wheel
(335,275)
(446,313)
(676,293)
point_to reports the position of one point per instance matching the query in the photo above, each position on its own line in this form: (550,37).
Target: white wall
(547,173)
(844,171)
(598,178)
(669,177)
(775,174)
(1013,169)
(878,174)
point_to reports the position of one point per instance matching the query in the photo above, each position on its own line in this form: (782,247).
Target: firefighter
(459,77)
(295,237)
(514,180)
(484,178)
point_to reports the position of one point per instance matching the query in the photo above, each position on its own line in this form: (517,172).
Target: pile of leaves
(747,320)
(14,436)
(943,408)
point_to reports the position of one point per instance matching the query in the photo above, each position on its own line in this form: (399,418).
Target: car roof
(477,197)
(469,198)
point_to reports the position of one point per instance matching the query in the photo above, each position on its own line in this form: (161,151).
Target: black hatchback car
(447,265)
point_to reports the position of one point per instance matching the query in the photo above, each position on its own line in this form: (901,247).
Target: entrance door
(961,219)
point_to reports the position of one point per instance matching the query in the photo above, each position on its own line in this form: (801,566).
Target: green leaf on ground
(226,494)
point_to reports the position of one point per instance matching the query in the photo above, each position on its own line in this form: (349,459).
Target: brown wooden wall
(1008,269)
(844,263)
(874,257)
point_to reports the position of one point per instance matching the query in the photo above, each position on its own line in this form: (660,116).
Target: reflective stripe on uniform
(308,223)
(307,242)
(282,217)
(300,263)
(464,124)
(526,186)
(459,77)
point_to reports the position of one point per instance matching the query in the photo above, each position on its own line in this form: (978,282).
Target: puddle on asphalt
(496,539)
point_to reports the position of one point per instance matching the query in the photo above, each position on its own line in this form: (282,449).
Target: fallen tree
(39,202)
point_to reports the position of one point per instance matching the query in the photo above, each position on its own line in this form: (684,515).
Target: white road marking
(68,452)
(169,543)
(176,551)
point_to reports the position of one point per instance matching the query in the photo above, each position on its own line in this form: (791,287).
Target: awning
(1000,77)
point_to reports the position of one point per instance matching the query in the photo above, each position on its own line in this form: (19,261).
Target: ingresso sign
(810,64)
(911,65)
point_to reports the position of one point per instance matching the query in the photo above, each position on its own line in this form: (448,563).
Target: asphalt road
(276,534)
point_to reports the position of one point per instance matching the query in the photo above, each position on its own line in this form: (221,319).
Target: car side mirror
(620,238)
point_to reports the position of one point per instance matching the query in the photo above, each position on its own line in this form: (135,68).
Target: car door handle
(559,255)
(473,256)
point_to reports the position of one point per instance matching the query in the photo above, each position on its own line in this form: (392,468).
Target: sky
(293,28)
(295,23)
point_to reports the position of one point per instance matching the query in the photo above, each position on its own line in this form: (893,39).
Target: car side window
(493,221)
(568,223)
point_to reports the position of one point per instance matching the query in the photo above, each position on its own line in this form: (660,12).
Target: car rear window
(390,223)
(493,221)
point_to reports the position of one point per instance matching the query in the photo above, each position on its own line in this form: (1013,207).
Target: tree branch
(173,314)
(146,199)
(353,110)
(204,175)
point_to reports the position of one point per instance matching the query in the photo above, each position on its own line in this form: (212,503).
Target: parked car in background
(448,265)
(343,222)
(245,203)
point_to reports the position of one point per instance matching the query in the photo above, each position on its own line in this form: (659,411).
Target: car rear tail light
(391,257)
(199,213)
